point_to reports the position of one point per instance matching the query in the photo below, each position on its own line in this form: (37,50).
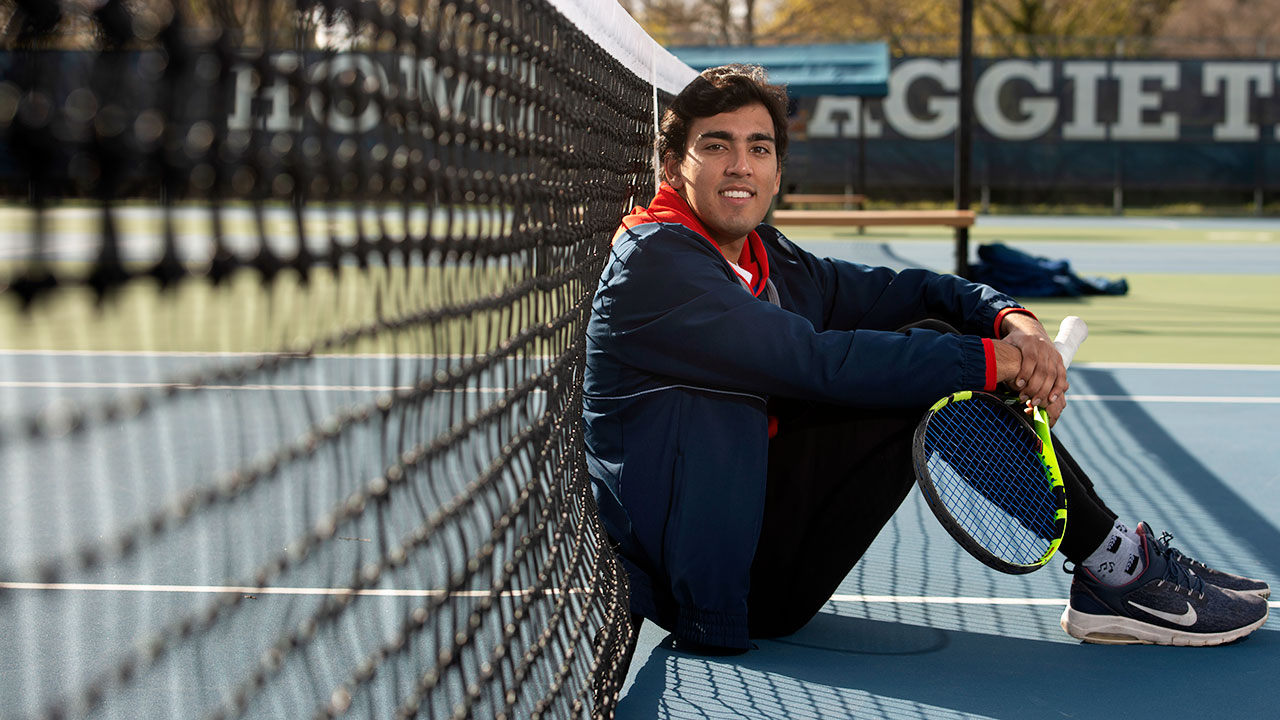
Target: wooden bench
(791,199)
(865,218)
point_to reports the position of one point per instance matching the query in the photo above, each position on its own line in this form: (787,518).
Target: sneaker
(1166,604)
(1224,580)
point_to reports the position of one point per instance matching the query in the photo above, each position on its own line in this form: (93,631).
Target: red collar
(669,207)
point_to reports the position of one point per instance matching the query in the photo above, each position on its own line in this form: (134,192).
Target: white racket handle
(1071,333)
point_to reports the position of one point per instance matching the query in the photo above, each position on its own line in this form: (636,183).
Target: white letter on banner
(281,117)
(241,117)
(840,116)
(1084,124)
(341,118)
(1234,79)
(898,112)
(1040,113)
(1134,100)
(248,87)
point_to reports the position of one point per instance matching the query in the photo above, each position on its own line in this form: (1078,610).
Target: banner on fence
(1154,124)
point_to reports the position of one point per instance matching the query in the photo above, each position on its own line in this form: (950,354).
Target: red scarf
(669,207)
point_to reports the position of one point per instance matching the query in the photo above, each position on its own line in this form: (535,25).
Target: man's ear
(671,171)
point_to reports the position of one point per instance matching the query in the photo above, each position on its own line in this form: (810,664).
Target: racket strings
(987,470)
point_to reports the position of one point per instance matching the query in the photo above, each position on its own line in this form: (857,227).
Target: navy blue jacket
(681,359)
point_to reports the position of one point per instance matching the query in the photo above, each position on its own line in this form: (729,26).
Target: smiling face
(729,172)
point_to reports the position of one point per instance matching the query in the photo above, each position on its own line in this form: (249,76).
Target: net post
(964,134)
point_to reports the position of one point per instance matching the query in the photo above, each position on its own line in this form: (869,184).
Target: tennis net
(292,307)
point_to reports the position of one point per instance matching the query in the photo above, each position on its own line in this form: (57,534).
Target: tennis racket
(991,476)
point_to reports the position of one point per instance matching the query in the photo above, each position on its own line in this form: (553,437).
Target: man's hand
(1028,363)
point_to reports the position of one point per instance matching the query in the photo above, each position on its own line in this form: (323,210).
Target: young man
(749,406)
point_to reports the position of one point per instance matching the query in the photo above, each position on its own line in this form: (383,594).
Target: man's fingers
(1038,376)
(1044,385)
(1053,409)
(1026,376)
(1059,390)
(1036,387)
(1041,379)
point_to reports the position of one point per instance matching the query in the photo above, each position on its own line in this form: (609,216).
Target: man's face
(729,173)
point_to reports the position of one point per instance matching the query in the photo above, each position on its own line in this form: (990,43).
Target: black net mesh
(292,302)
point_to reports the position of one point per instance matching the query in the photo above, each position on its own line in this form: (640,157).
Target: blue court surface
(918,630)
(1214,246)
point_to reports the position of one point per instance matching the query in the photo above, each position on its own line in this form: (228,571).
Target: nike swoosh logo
(1186,619)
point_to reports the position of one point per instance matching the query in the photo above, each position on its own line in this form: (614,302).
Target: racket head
(984,473)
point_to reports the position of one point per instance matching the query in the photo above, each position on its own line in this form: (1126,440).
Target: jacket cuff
(713,627)
(989,354)
(977,362)
(995,332)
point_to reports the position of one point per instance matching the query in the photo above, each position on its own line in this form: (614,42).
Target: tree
(1221,27)
(1006,27)
(900,23)
(1059,27)
(697,22)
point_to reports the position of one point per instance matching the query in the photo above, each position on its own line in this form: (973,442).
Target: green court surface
(436,309)
(1156,231)
(1196,296)
(1178,319)
(1199,292)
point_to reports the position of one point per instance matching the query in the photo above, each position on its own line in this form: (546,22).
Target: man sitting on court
(749,406)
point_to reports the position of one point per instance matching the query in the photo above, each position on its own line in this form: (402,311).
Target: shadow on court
(841,667)
(1211,495)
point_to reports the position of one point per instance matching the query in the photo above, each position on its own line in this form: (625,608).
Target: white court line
(245,354)
(941,600)
(1203,399)
(59,384)
(432,356)
(1173,366)
(249,590)
(937,600)
(56,384)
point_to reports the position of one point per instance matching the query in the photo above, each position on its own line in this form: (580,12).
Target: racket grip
(1071,333)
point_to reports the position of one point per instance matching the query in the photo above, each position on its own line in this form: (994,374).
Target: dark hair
(717,90)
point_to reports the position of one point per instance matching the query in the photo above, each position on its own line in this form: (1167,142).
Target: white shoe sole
(1117,630)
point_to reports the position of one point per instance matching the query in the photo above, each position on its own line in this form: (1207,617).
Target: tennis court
(919,630)
(1170,408)
(292,351)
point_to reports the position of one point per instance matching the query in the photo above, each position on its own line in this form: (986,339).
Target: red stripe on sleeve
(989,351)
(1000,317)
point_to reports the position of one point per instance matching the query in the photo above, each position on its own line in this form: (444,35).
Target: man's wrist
(1009,319)
(1008,360)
